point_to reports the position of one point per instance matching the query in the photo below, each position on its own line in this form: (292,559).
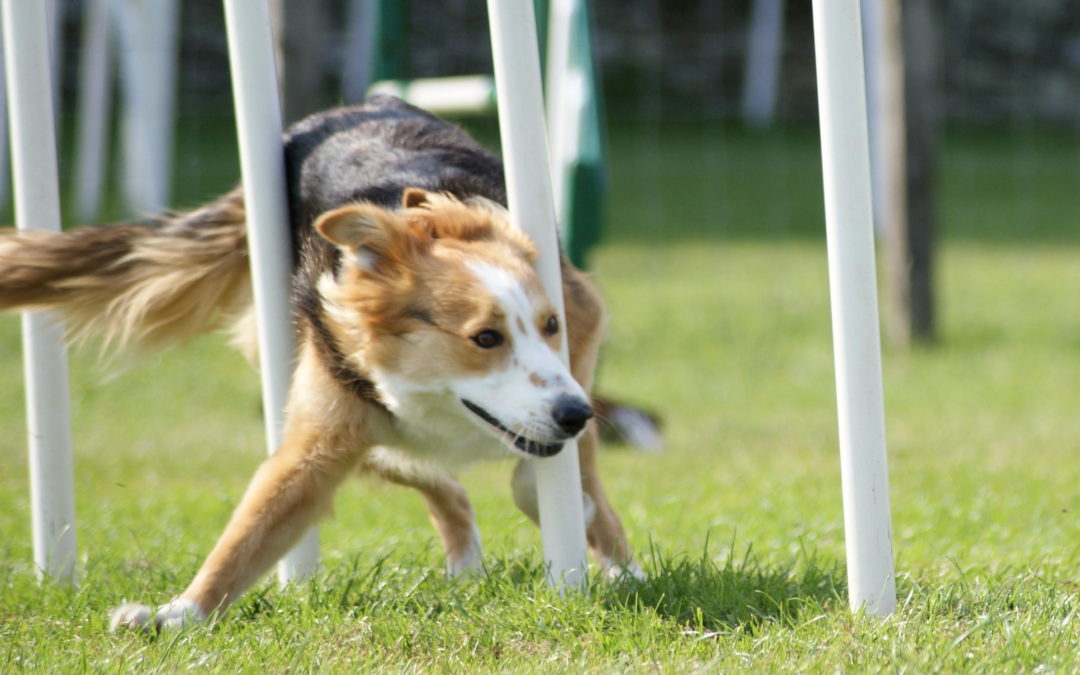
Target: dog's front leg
(289,491)
(293,487)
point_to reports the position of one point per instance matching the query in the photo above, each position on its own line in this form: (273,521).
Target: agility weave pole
(845,157)
(575,137)
(262,167)
(566,95)
(148,39)
(37,205)
(95,104)
(532,208)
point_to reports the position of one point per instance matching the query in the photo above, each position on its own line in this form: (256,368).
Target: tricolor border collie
(425,339)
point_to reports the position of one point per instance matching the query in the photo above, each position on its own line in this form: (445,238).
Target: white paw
(170,616)
(470,563)
(132,616)
(617,572)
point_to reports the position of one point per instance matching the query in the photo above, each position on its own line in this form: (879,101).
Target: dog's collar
(352,379)
(358,383)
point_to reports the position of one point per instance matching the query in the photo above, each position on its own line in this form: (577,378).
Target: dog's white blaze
(529,346)
(530,350)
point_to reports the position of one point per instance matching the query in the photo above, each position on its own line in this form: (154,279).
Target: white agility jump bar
(532,208)
(262,165)
(37,205)
(845,158)
(459,95)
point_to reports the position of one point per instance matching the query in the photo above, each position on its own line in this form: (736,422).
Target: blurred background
(707,113)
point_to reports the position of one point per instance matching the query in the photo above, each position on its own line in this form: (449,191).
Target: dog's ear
(367,232)
(414,197)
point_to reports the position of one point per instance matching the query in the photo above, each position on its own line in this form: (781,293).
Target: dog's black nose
(571,414)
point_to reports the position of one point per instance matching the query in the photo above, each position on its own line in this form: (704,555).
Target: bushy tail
(145,284)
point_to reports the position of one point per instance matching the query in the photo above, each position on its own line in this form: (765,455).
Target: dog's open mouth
(535,448)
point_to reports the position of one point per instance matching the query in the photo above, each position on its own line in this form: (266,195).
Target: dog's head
(440,301)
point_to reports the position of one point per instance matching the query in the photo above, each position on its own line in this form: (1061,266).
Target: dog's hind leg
(322,441)
(602,526)
(450,512)
(584,320)
(607,541)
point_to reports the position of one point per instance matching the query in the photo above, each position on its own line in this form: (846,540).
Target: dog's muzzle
(569,414)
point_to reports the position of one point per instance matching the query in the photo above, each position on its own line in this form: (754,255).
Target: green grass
(725,331)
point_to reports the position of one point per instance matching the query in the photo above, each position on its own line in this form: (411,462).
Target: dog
(425,340)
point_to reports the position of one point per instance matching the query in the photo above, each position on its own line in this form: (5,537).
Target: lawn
(715,276)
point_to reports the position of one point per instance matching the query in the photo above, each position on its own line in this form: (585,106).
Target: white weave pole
(765,42)
(54,23)
(879,95)
(262,164)
(566,93)
(148,33)
(845,160)
(532,208)
(94,104)
(5,155)
(37,205)
(361,22)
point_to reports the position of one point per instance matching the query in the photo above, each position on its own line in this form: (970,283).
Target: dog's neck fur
(358,382)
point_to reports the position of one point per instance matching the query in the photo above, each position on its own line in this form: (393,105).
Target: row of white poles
(146,33)
(259,128)
(517,74)
(37,205)
(853,283)
(845,158)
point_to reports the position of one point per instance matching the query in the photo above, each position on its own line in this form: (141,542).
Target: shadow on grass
(702,595)
(708,596)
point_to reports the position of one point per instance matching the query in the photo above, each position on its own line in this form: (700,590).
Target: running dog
(425,341)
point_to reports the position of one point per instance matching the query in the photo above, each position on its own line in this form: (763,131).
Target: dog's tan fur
(159,282)
(148,284)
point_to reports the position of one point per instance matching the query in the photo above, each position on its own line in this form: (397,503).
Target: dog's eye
(551,326)
(488,339)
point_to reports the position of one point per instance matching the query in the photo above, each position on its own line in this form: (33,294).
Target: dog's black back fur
(373,152)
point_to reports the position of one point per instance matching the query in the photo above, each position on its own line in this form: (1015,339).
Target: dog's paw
(471,571)
(131,616)
(468,562)
(170,616)
(621,572)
